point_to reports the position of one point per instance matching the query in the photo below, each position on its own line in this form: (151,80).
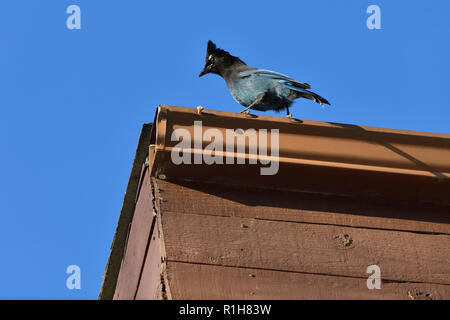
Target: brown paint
(306,248)
(150,282)
(345,197)
(127,282)
(202,282)
(249,202)
(126,215)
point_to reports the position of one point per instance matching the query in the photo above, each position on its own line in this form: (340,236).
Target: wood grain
(306,248)
(133,259)
(194,281)
(150,282)
(223,200)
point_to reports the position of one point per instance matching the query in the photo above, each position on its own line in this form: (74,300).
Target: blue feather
(273,75)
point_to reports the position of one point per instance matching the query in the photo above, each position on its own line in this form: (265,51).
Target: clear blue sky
(73,102)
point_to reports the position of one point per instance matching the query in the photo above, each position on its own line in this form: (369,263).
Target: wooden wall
(225,242)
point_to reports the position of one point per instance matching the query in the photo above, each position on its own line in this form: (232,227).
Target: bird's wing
(274,75)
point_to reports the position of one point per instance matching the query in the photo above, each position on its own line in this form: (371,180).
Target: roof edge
(112,268)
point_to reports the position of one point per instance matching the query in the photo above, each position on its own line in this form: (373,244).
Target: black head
(217,60)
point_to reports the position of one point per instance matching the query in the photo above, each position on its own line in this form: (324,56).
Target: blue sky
(73,102)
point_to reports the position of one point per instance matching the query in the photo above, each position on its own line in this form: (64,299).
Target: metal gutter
(314,156)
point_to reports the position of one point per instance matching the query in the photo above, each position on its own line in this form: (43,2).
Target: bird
(254,88)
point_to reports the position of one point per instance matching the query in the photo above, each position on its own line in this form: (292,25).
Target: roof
(126,215)
(315,158)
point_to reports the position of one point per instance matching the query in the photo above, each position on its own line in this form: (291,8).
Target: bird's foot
(200,109)
(289,116)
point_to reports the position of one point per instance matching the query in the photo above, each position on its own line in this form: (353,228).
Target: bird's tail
(312,96)
(303,93)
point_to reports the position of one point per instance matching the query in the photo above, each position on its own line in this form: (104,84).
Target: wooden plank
(223,200)
(202,282)
(308,248)
(150,283)
(132,262)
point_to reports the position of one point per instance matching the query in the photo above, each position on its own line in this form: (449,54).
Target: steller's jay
(256,89)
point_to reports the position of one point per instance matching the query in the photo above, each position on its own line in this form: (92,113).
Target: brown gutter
(314,156)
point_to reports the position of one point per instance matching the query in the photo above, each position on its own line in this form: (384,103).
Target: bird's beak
(204,71)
